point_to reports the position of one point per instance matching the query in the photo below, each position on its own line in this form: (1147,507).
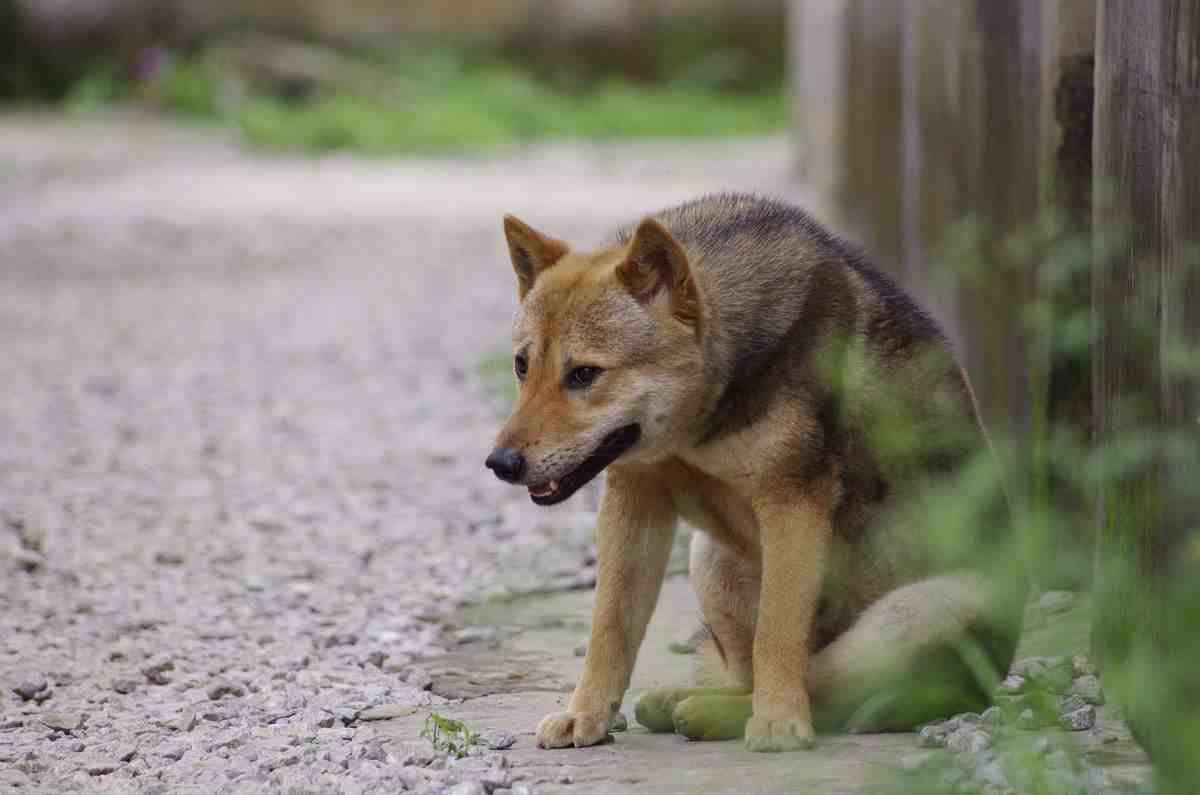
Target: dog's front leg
(795,534)
(637,524)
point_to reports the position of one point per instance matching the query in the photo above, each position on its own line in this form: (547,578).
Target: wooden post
(818,41)
(1146,296)
(1061,365)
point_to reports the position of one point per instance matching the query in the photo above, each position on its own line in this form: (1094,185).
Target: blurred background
(254,296)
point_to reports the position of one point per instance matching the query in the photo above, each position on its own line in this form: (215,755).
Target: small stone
(168,557)
(377,658)
(1088,688)
(1082,666)
(474,634)
(496,779)
(581,649)
(933,736)
(29,687)
(156,671)
(968,740)
(101,767)
(28,562)
(187,721)
(992,716)
(341,639)
(419,678)
(386,712)
(1053,602)
(1012,684)
(497,740)
(1079,720)
(619,723)
(124,686)
(1028,720)
(64,721)
(174,752)
(467,788)
(221,689)
(566,776)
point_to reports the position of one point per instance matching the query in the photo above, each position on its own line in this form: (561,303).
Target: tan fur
(813,615)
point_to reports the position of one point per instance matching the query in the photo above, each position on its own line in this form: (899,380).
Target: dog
(729,363)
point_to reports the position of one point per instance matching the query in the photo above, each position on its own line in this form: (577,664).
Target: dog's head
(606,349)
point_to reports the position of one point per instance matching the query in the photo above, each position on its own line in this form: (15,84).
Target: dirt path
(241,427)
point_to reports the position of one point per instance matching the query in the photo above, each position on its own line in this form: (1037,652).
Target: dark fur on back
(786,303)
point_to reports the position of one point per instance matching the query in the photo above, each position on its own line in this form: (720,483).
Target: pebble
(581,649)
(101,767)
(498,740)
(29,687)
(468,788)
(992,716)
(64,721)
(1012,684)
(221,689)
(385,712)
(124,686)
(968,740)
(1079,720)
(156,671)
(419,678)
(475,634)
(933,735)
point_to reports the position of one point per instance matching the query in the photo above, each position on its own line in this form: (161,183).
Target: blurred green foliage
(503,106)
(437,99)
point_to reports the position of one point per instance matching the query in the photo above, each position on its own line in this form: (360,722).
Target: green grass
(442,103)
(499,108)
(449,736)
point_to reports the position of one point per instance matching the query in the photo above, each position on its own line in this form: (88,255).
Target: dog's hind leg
(727,588)
(923,651)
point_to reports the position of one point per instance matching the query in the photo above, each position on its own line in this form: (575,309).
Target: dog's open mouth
(555,491)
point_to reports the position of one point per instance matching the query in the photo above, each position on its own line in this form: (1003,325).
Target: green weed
(449,736)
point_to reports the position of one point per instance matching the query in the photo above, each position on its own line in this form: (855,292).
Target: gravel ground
(241,432)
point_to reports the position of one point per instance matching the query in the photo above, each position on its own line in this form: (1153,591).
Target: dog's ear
(531,252)
(655,265)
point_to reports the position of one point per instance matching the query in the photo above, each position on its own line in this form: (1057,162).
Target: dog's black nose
(507,463)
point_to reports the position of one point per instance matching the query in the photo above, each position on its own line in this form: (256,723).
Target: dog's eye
(520,366)
(582,377)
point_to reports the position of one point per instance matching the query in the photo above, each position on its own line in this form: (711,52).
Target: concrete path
(528,668)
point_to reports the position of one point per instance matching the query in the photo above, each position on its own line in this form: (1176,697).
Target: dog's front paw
(779,734)
(580,729)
